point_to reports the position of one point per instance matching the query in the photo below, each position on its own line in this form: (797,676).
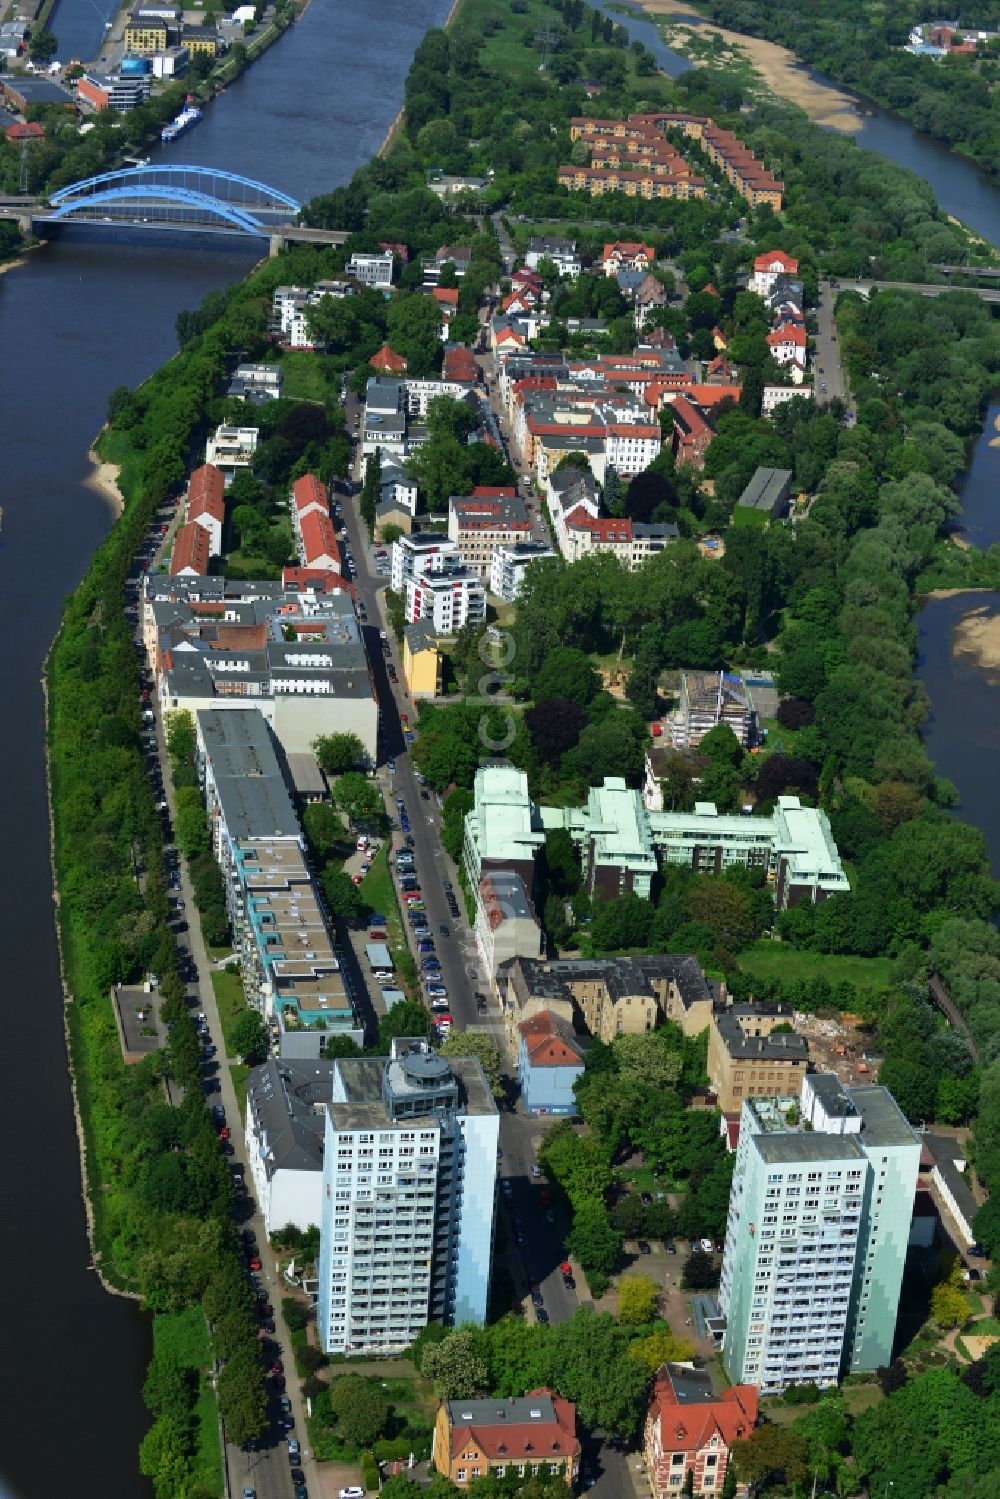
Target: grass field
(183,1336)
(239,1073)
(745,515)
(305,376)
(379,892)
(776,960)
(231,1000)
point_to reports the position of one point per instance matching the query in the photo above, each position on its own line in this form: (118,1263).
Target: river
(79,318)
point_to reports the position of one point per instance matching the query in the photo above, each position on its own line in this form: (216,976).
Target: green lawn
(379,892)
(231,1000)
(746,515)
(116,447)
(305,376)
(183,1336)
(239,1073)
(777,960)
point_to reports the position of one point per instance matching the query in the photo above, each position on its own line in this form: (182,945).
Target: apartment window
(460,1475)
(500,1471)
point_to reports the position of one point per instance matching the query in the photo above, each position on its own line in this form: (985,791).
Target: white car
(707,1246)
(352,1493)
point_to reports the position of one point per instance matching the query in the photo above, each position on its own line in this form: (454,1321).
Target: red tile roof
(776,257)
(386,359)
(524,1441)
(690,1426)
(309,491)
(190,550)
(460,364)
(606,528)
(547,1043)
(206,483)
(447,296)
(397,249)
(628,249)
(32,131)
(788,333)
(318,538)
(494,492)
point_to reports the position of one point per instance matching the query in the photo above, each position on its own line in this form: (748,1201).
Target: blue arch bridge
(165,197)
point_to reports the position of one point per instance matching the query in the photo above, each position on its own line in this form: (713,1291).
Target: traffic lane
(609,1469)
(544,1248)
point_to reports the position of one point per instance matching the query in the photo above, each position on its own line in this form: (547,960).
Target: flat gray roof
(519,1411)
(796,1146)
(882,1120)
(784,1047)
(362,1082)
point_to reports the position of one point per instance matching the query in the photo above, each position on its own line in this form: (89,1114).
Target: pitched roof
(206,479)
(190,550)
(447,296)
(630,248)
(690,1414)
(776,260)
(549,1041)
(318,538)
(788,333)
(387,359)
(606,528)
(538,1427)
(460,364)
(31,131)
(309,491)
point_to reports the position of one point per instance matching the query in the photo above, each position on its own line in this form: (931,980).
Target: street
(829,371)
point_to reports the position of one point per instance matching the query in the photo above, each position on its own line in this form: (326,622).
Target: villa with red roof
(549,1061)
(460,364)
(206,505)
(788,342)
(768,267)
(387,362)
(533,1435)
(625,255)
(692,431)
(690,1431)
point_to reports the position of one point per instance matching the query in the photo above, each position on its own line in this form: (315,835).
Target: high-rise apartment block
(409,1189)
(819,1219)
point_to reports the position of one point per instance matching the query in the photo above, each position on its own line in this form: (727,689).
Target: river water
(79,318)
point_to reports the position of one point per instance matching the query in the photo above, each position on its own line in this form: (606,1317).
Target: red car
(224,1132)
(255,1262)
(277,1367)
(377,936)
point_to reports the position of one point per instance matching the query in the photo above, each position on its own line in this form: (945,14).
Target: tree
(361,1409)
(555,725)
(337,753)
(648,1057)
(343,896)
(324,827)
(638,1299)
(723,908)
(475,1044)
(406,1018)
(567,673)
(700,1272)
(43,45)
(249,1037)
(592,1364)
(770,1454)
(371,490)
(562,862)
(661,1347)
(360,798)
(592,1240)
(949,1307)
(456,1367)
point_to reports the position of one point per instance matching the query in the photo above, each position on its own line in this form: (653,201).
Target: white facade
(423,552)
(629,449)
(285,1196)
(231,448)
(447,599)
(509,565)
(774,395)
(420,393)
(373,270)
(562,253)
(767,270)
(213,526)
(409,1188)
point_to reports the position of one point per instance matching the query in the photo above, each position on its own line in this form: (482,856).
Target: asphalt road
(829,371)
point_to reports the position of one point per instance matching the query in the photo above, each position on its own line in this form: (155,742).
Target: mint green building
(816,1239)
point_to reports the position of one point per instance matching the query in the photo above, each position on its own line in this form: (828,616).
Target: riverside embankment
(79,317)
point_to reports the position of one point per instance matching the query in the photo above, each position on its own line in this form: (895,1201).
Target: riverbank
(104,480)
(977,636)
(779,69)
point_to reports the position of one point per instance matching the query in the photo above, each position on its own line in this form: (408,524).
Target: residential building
(509,565)
(290,970)
(424,551)
(533,1436)
(297,655)
(607,997)
(372,269)
(112,91)
(230,449)
(549,1062)
(504,829)
(561,252)
(632,542)
(768,492)
(318,547)
(775,395)
(460,365)
(480,522)
(631,446)
(706,699)
(447,598)
(309,495)
(419,393)
(460,256)
(423,665)
(387,362)
(200,39)
(145,33)
(749,1058)
(191,551)
(693,432)
(569,489)
(621,841)
(767,268)
(206,505)
(257,383)
(505,926)
(787,343)
(285,1124)
(398,490)
(409,1183)
(626,255)
(443,186)
(690,1431)
(819,1220)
